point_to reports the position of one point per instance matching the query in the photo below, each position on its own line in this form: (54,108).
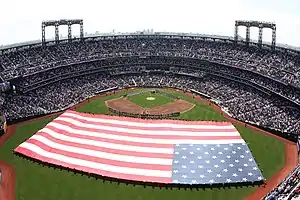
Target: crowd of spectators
(242,101)
(183,66)
(278,65)
(288,189)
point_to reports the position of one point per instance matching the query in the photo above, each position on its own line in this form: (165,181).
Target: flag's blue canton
(214,163)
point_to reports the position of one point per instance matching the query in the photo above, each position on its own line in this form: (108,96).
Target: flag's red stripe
(169,137)
(232,129)
(126,119)
(129,143)
(106,149)
(133,177)
(100,160)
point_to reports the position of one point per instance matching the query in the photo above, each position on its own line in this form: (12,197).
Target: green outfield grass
(35,182)
(141,99)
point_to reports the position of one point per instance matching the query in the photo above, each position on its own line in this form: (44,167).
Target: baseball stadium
(149,115)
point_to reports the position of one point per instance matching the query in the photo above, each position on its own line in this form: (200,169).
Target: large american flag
(162,151)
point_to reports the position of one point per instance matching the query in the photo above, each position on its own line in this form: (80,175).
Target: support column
(260,35)
(56,33)
(273,37)
(69,32)
(236,33)
(43,33)
(247,34)
(81,30)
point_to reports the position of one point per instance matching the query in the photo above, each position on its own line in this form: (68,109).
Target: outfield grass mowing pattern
(35,182)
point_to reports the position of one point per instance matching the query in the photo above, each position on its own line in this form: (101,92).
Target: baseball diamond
(126,106)
(151,115)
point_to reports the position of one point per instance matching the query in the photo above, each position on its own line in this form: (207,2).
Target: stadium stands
(242,101)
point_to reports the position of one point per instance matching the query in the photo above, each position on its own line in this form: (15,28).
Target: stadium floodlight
(57,23)
(260,25)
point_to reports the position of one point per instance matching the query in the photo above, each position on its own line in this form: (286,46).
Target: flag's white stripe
(110,156)
(142,140)
(105,144)
(145,132)
(94,165)
(145,124)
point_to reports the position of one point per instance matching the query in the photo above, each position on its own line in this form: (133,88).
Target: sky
(20,20)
